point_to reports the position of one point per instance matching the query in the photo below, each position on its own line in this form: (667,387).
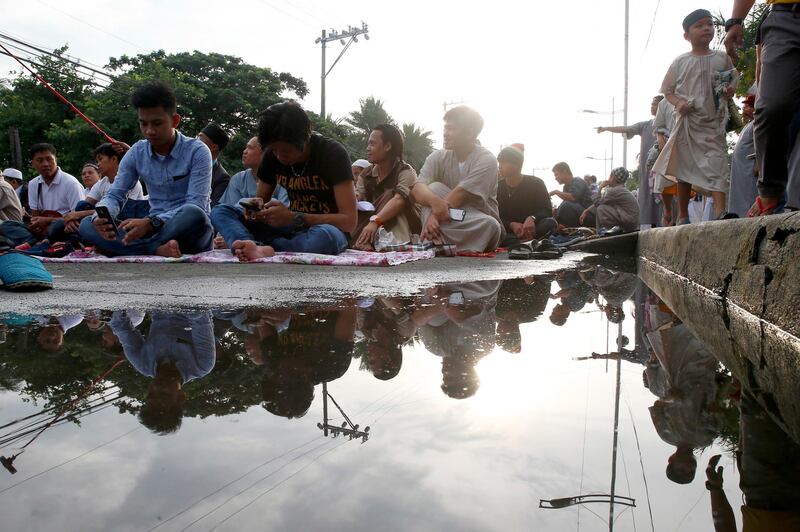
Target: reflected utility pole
(348,429)
(612,498)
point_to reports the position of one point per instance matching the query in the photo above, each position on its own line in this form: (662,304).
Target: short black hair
(43,146)
(106,149)
(391,134)
(466,117)
(284,122)
(155,94)
(562,167)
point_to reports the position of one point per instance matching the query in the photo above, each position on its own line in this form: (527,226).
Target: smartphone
(250,204)
(457,215)
(102,212)
(456,298)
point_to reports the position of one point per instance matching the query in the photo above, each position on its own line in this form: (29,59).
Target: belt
(786,7)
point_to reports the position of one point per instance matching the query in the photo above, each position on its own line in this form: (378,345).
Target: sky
(528,68)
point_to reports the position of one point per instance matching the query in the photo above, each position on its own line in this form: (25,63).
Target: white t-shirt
(61,195)
(101,188)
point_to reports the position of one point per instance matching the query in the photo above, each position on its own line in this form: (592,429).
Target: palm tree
(418,145)
(362,121)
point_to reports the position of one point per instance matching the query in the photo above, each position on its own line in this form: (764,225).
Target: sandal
(19,271)
(520,252)
(764,207)
(546,250)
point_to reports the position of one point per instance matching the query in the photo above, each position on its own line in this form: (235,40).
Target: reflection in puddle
(480,405)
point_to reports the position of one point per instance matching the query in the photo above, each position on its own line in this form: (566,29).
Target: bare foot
(247,250)
(170,249)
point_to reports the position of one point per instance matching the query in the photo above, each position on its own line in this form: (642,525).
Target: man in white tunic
(462,175)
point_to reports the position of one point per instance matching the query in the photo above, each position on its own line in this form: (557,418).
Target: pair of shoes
(727,216)
(22,272)
(542,250)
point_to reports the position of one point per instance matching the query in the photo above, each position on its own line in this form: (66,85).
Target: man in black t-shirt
(315,171)
(525,208)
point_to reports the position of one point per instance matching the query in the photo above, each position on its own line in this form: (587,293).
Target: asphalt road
(81,287)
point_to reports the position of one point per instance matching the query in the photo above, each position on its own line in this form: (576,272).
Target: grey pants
(778,98)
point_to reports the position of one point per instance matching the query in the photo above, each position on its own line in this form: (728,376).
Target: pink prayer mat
(350,257)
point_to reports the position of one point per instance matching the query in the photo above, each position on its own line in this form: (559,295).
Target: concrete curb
(752,262)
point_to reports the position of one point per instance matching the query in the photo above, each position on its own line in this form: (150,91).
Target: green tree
(746,63)
(370,114)
(418,145)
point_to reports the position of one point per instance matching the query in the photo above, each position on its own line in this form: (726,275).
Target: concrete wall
(736,285)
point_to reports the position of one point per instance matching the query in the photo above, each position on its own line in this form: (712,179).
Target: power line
(101,30)
(49,47)
(61,57)
(307,12)
(652,23)
(280,10)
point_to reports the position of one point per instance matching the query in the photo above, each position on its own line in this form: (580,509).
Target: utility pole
(625,103)
(352,33)
(16,149)
(348,429)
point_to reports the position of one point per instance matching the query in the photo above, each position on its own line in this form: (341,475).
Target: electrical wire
(652,23)
(101,30)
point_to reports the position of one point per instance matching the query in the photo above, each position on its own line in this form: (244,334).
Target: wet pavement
(574,399)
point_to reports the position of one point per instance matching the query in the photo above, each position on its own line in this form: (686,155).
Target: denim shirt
(244,185)
(180,178)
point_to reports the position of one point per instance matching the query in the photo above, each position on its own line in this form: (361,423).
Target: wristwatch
(156,222)
(731,22)
(374,218)
(298,221)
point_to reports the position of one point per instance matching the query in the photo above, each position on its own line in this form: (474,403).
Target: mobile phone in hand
(102,212)
(250,204)
(457,215)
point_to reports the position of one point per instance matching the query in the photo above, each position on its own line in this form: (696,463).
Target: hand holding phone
(104,214)
(251,207)
(457,215)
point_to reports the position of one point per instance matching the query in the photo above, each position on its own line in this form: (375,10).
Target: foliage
(633,181)
(746,63)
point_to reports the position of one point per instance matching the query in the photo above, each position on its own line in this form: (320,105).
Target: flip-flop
(520,252)
(763,207)
(546,250)
(20,272)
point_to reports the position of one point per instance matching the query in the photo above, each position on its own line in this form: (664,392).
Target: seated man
(315,171)
(387,184)
(525,208)
(216,139)
(616,205)
(244,184)
(51,194)
(575,196)
(108,165)
(177,173)
(462,175)
(10,207)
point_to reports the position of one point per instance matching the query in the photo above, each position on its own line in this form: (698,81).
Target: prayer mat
(350,257)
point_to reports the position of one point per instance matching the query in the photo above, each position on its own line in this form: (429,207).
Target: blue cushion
(22,272)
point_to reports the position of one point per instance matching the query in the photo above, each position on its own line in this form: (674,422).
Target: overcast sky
(528,68)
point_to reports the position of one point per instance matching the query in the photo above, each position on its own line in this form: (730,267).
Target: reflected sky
(458,409)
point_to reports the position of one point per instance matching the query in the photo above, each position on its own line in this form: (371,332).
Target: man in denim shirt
(177,172)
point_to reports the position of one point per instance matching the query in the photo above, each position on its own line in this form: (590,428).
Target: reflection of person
(387,326)
(615,287)
(682,374)
(178,348)
(315,348)
(459,326)
(574,293)
(769,466)
(519,301)
(51,335)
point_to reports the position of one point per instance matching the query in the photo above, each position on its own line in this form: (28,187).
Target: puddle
(576,400)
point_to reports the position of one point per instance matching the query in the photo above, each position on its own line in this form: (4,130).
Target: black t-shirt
(578,188)
(310,185)
(529,198)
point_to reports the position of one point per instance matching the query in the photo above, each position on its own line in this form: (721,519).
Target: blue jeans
(190,227)
(324,239)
